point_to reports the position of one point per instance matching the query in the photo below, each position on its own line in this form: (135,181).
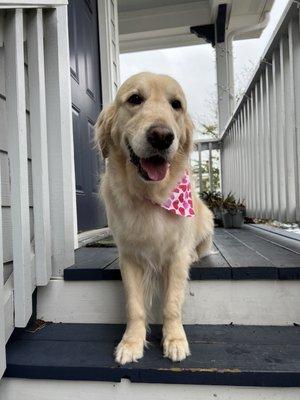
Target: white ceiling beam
(161,27)
(164,40)
(179,15)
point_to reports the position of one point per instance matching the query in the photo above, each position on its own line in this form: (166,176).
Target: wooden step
(248,253)
(221,355)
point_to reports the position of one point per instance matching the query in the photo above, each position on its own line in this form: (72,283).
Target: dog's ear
(189,130)
(103,129)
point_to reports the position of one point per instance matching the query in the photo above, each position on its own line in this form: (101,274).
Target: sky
(194,67)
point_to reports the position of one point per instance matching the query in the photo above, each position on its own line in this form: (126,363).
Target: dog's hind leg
(205,248)
(131,347)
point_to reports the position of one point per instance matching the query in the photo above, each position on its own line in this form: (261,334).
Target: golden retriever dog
(147,136)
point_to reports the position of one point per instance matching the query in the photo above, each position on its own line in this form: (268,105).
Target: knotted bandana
(180,200)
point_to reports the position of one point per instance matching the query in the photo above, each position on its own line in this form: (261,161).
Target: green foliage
(205,174)
(210,130)
(212,199)
(217,200)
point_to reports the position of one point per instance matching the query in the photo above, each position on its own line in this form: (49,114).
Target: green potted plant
(214,202)
(232,212)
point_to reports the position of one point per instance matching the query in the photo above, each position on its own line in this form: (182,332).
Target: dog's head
(148,123)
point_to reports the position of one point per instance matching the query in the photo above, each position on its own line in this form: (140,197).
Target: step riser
(207,302)
(30,389)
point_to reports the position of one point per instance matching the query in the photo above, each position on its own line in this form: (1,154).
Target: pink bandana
(180,200)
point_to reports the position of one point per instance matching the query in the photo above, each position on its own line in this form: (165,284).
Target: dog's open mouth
(154,168)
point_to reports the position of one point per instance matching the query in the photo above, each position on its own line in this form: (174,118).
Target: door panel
(86,105)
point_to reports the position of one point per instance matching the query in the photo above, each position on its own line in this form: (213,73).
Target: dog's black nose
(160,137)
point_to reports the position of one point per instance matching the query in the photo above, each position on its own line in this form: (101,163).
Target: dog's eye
(135,99)
(176,104)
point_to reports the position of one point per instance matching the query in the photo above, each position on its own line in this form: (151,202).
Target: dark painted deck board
(97,258)
(236,252)
(229,355)
(278,255)
(277,231)
(247,253)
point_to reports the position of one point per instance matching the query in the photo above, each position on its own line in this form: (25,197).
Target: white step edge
(32,389)
(207,302)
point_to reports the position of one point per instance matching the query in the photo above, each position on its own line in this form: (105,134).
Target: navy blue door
(86,105)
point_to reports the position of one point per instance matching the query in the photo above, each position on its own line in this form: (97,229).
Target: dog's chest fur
(148,233)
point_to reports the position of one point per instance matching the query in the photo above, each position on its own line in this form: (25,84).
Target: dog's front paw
(177,349)
(129,351)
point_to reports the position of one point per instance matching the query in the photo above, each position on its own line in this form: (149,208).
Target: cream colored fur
(153,243)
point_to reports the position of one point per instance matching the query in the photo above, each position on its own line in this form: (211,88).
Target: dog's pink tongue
(156,170)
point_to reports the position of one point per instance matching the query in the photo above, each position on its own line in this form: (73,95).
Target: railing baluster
(223,171)
(16,120)
(235,157)
(246,153)
(291,141)
(267,142)
(295,65)
(257,155)
(237,152)
(38,127)
(242,156)
(274,127)
(262,150)
(281,137)
(243,166)
(2,316)
(253,158)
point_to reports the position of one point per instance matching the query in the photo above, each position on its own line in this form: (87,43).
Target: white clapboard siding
(60,138)
(109,46)
(16,124)
(2,324)
(38,125)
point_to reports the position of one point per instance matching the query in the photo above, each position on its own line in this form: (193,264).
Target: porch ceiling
(157,24)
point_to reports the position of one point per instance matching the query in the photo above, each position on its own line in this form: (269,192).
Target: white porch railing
(260,146)
(45,32)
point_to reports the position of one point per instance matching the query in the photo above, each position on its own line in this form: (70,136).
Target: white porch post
(210,167)
(225,82)
(60,139)
(199,145)
(109,48)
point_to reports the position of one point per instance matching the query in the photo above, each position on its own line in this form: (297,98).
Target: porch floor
(222,355)
(253,252)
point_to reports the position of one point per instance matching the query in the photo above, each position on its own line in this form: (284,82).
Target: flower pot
(226,219)
(218,216)
(232,219)
(238,219)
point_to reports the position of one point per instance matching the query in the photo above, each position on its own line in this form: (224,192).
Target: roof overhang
(156,24)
